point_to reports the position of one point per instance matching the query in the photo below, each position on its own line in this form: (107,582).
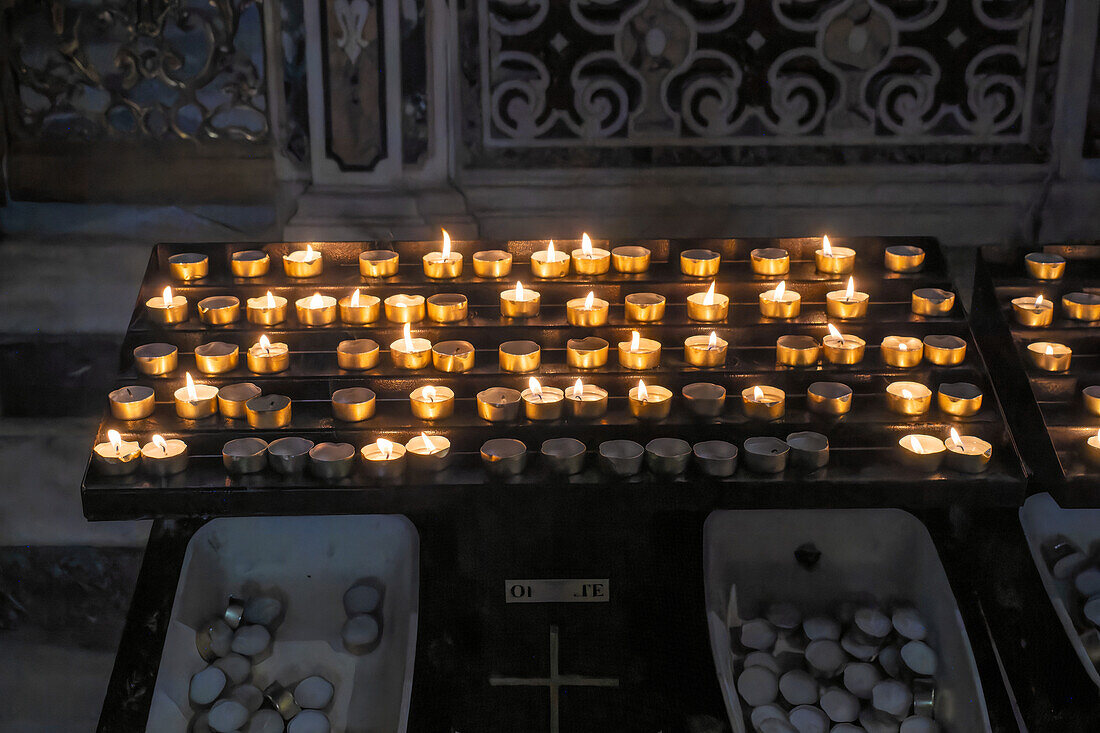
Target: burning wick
(265,344)
(354,302)
(902,346)
(550,251)
(837,334)
(446,245)
(386,448)
(635,341)
(1039,301)
(757,394)
(578,389)
(589,300)
(643,393)
(192,395)
(270,300)
(536,389)
(915,445)
(315,302)
(116,440)
(708,299)
(158,442)
(167,296)
(428,444)
(519,290)
(850,291)
(906,394)
(586,245)
(955,438)
(712,342)
(826,248)
(429,393)
(408,338)
(779,290)
(310,254)
(1050,350)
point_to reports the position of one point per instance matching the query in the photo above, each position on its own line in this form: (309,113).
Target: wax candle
(503,457)
(766,454)
(444,264)
(549,263)
(1081,306)
(542,403)
(219,310)
(589,352)
(630,259)
(519,302)
(780,302)
(216,357)
(519,356)
(563,456)
(357,309)
(156,359)
(265,357)
(383,459)
(770,261)
(1043,266)
(303,263)
(447,307)
(797,350)
(704,399)
(903,258)
(196,401)
(639,353)
(453,356)
(249,263)
(705,350)
(316,310)
(932,301)
(967,453)
(357,354)
(834,260)
(498,404)
(232,398)
(188,266)
(166,308)
(960,399)
(645,307)
(492,263)
(667,456)
(944,349)
(1092,449)
(699,262)
(708,306)
(432,402)
(266,310)
(589,260)
(809,450)
(621,458)
(908,398)
(132,403)
(842,348)
(403,308)
(428,453)
(829,398)
(411,353)
(116,457)
(378,263)
(586,401)
(244,455)
(922,452)
(763,403)
(649,402)
(267,412)
(332,460)
(1050,356)
(902,351)
(1091,397)
(847,303)
(586,311)
(1034,312)
(715,457)
(161,457)
(353,404)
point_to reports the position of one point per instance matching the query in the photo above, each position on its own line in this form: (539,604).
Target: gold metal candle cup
(1056,361)
(1081,306)
(589,352)
(918,402)
(944,350)
(425,458)
(353,404)
(699,353)
(268,411)
(512,306)
(274,359)
(1043,266)
(895,355)
(357,354)
(847,350)
(205,406)
(157,461)
(904,258)
(837,305)
(960,399)
(645,307)
(590,404)
(332,460)
(595,263)
(1091,399)
(796,350)
(249,263)
(405,308)
(630,259)
(132,403)
(1027,313)
(418,357)
(217,357)
(259,313)
(771,405)
(840,262)
(969,454)
(498,404)
(829,398)
(188,266)
(156,359)
(453,356)
(438,267)
(492,263)
(439,406)
(122,462)
(788,306)
(368,310)
(244,455)
(545,406)
(219,310)
(232,398)
(932,301)
(519,356)
(699,310)
(546,266)
(321,316)
(770,261)
(166,315)
(378,263)
(295,264)
(447,307)
(646,356)
(700,262)
(655,406)
(926,458)
(577,315)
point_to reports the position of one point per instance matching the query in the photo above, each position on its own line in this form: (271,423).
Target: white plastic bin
(309,562)
(881,553)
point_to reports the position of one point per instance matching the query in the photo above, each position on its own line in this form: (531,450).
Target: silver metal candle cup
(924,697)
(244,455)
(504,456)
(809,450)
(234,612)
(621,457)
(282,700)
(667,456)
(715,457)
(289,455)
(332,460)
(766,454)
(563,456)
(704,399)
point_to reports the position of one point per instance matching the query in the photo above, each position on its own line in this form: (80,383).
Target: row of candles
(447,263)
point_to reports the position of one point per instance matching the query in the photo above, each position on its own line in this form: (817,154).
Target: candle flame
(354,302)
(386,448)
(955,437)
(550,251)
(428,444)
(116,440)
(270,300)
(902,346)
(915,445)
(643,393)
(708,299)
(586,245)
(826,248)
(534,386)
(578,389)
(712,342)
(160,443)
(906,394)
(429,393)
(850,292)
(519,290)
(167,296)
(315,302)
(408,338)
(779,290)
(635,340)
(1050,350)
(265,343)
(192,395)
(446,244)
(589,300)
(836,333)
(309,251)
(757,394)
(1038,301)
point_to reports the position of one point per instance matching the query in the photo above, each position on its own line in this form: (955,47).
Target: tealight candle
(403,308)
(797,350)
(492,263)
(353,404)
(264,357)
(708,306)
(904,258)
(770,261)
(842,348)
(589,260)
(715,457)
(266,310)
(829,398)
(378,263)
(498,404)
(156,359)
(166,308)
(586,401)
(196,401)
(411,353)
(563,456)
(1043,266)
(902,351)
(667,456)
(944,349)
(922,452)
(1091,397)
(1081,306)
(519,356)
(428,453)
(1050,356)
(960,399)
(447,307)
(188,266)
(967,453)
(116,457)
(357,354)
(704,399)
(161,457)
(519,302)
(444,264)
(639,353)
(432,402)
(705,350)
(542,403)
(1092,449)
(589,352)
(503,457)
(645,307)
(630,259)
(357,309)
(332,460)
(268,411)
(809,450)
(244,455)
(383,459)
(847,303)
(316,310)
(549,263)
(232,398)
(780,302)
(834,260)
(649,402)
(932,301)
(219,310)
(303,263)
(217,357)
(700,262)
(908,398)
(586,311)
(766,454)
(132,403)
(453,356)
(249,263)
(763,403)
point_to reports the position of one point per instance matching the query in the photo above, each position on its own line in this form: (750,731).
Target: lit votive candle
(1034,312)
(161,457)
(960,399)
(834,260)
(1043,266)
(156,359)
(902,351)
(332,460)
(217,357)
(780,302)
(519,302)
(586,401)
(1091,397)
(700,262)
(268,411)
(708,306)
(763,403)
(132,403)
(967,453)
(705,350)
(219,310)
(303,263)
(770,261)
(922,452)
(903,258)
(316,310)
(650,402)
(166,308)
(704,399)
(908,398)
(116,457)
(357,309)
(492,263)
(444,264)
(453,356)
(847,303)
(410,353)
(378,263)
(1081,306)
(232,398)
(1050,356)
(428,453)
(519,356)
(357,354)
(586,311)
(1092,449)
(630,259)
(432,402)
(932,301)
(383,459)
(549,263)
(353,404)
(589,352)
(266,310)
(403,308)
(244,455)
(264,357)
(249,263)
(589,260)
(797,350)
(829,398)
(639,353)
(842,348)
(542,403)
(944,349)
(498,404)
(188,266)
(645,307)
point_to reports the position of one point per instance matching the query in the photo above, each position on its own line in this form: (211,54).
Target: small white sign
(558,590)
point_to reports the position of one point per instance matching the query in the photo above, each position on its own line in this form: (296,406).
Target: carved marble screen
(747,82)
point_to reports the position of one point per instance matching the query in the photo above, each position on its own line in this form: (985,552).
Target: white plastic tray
(1041,517)
(309,562)
(884,553)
